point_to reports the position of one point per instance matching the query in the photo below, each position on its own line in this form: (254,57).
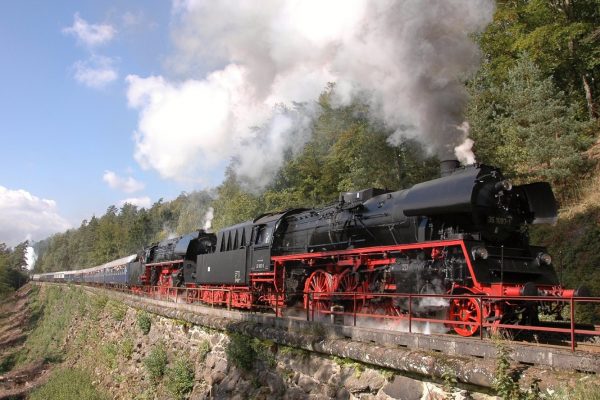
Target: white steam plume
(464,151)
(236,61)
(208,217)
(30,257)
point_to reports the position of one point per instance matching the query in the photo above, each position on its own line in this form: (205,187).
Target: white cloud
(90,35)
(96,72)
(127,185)
(407,59)
(143,202)
(24,216)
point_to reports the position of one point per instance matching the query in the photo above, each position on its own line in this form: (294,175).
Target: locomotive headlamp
(504,185)
(544,258)
(480,253)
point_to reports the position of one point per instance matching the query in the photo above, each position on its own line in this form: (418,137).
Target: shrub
(144,322)
(156,362)
(180,378)
(506,383)
(240,351)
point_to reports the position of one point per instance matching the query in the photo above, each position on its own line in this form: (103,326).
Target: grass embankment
(52,313)
(88,341)
(69,384)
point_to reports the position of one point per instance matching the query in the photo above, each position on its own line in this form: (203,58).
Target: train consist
(463,233)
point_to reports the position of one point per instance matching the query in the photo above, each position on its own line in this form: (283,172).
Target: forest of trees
(11,261)
(533,111)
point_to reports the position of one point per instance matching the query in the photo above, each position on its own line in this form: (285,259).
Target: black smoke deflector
(540,201)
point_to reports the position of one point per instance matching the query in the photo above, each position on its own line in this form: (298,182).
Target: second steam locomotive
(463,233)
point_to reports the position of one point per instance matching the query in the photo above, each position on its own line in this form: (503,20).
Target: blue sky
(131,100)
(60,135)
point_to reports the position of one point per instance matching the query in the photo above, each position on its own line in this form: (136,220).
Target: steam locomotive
(463,233)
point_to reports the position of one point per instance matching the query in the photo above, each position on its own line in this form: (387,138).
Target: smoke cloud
(239,66)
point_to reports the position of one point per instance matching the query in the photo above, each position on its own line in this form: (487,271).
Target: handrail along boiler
(463,233)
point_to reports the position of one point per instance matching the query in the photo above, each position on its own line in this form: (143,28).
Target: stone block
(403,388)
(307,384)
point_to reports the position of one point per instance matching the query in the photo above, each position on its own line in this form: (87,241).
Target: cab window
(264,235)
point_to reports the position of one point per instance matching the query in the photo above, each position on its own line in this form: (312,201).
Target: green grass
(293,351)
(97,306)
(351,364)
(127,348)
(581,391)
(68,384)
(109,352)
(7,363)
(117,310)
(52,312)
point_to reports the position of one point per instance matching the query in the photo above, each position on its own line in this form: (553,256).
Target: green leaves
(561,37)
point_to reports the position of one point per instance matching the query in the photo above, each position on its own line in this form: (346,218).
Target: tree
(348,151)
(193,212)
(526,126)
(233,204)
(561,36)
(11,261)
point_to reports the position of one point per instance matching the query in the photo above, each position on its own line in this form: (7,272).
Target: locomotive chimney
(447,167)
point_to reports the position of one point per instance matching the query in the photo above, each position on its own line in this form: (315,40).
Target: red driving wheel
(347,282)
(465,310)
(319,285)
